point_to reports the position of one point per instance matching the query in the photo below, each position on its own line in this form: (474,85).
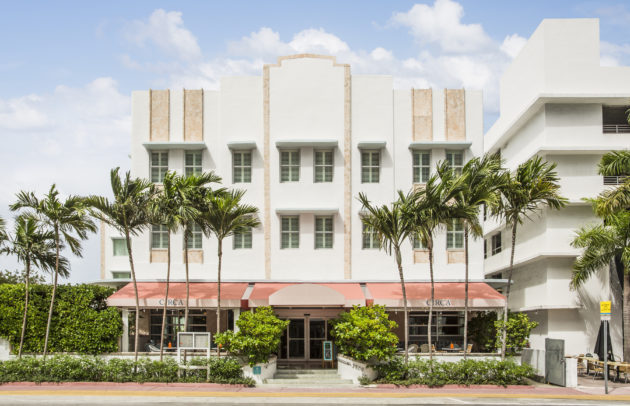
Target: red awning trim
(343,295)
(202,295)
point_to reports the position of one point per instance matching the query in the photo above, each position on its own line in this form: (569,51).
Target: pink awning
(447,295)
(307,295)
(202,295)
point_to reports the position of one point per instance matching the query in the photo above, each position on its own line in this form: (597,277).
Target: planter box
(267,371)
(349,368)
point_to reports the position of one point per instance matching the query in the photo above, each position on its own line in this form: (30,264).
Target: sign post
(327,355)
(604,311)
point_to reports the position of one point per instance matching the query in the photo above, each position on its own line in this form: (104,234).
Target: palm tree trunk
(54,291)
(28,272)
(135,291)
(466,292)
(626,315)
(187,280)
(404,293)
(168,278)
(220,254)
(431,305)
(507,295)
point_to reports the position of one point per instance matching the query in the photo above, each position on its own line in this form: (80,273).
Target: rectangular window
(290,232)
(417,244)
(485,249)
(192,164)
(195,238)
(120,247)
(370,239)
(241,167)
(370,166)
(455,160)
(289,166)
(496,243)
(455,234)
(159,237)
(421,166)
(323,232)
(159,166)
(323,166)
(121,275)
(243,239)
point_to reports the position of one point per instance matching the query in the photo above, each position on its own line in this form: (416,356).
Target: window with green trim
(324,232)
(370,166)
(241,167)
(159,166)
(370,239)
(421,166)
(192,164)
(455,160)
(290,166)
(195,238)
(323,166)
(243,239)
(290,232)
(455,234)
(120,247)
(159,237)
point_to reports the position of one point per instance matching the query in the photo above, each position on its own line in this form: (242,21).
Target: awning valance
(447,295)
(202,295)
(307,294)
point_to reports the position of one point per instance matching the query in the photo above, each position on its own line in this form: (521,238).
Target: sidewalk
(203,390)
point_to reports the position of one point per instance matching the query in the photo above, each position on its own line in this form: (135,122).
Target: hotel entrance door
(304,339)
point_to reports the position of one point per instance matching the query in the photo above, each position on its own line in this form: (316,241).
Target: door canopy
(307,294)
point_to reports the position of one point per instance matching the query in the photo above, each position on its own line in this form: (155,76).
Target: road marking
(396,395)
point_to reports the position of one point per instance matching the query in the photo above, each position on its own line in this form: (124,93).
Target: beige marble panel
(456,256)
(160,111)
(421,256)
(455,106)
(193,115)
(159,256)
(422,102)
(194,256)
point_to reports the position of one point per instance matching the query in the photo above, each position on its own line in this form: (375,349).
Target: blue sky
(67,68)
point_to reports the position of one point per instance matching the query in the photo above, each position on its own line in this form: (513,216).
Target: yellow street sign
(604,307)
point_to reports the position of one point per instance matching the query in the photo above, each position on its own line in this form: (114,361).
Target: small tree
(259,334)
(517,328)
(482,331)
(365,333)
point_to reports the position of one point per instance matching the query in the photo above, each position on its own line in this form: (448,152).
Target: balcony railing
(614,180)
(616,128)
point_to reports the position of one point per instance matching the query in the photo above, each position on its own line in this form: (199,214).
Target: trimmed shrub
(81,320)
(258,337)
(65,368)
(518,330)
(365,334)
(464,372)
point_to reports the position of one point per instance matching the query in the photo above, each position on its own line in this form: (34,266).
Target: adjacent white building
(559,103)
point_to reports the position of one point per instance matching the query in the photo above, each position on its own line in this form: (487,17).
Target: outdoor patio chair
(596,367)
(424,348)
(624,369)
(469,348)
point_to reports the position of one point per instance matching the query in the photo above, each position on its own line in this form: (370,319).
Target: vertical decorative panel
(266,151)
(193,115)
(455,106)
(160,110)
(347,171)
(422,111)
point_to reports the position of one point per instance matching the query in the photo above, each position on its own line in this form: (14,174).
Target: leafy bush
(64,368)
(365,333)
(258,337)
(464,372)
(482,331)
(81,320)
(518,330)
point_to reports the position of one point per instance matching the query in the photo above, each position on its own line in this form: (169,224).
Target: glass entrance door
(293,342)
(304,339)
(319,331)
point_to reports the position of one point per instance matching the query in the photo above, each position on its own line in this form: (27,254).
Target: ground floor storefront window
(447,327)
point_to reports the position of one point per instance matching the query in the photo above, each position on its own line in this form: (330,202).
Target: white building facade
(559,103)
(303,140)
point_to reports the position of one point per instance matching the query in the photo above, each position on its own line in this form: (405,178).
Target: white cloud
(166,31)
(614,54)
(512,45)
(441,24)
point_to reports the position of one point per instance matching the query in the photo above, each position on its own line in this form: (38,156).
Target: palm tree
(432,207)
(128,213)
(191,191)
(3,232)
(34,246)
(224,215)
(602,244)
(70,222)
(615,163)
(533,187)
(392,227)
(482,180)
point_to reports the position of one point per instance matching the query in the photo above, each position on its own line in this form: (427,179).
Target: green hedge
(65,368)
(464,372)
(81,320)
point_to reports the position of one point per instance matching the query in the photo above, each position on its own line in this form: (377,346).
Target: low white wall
(445,357)
(349,368)
(535,358)
(267,371)
(571,372)
(5,349)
